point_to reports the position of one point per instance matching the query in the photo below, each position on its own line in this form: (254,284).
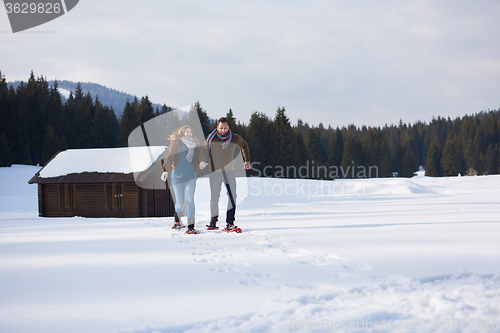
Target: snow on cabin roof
(105,160)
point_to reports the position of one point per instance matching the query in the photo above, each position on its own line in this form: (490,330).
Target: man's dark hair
(222,120)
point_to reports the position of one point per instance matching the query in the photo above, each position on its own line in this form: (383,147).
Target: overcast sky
(335,62)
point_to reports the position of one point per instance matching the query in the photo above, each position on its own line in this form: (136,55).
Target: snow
(417,255)
(117,160)
(186,108)
(64,92)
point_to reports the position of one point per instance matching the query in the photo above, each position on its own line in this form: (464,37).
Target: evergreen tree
(433,165)
(128,123)
(324,135)
(25,155)
(84,113)
(467,135)
(165,109)
(105,128)
(25,98)
(205,122)
(484,142)
(5,157)
(441,127)
(491,159)
(4,105)
(145,110)
(260,135)
(236,127)
(26,121)
(336,148)
(393,138)
(35,124)
(11,129)
(51,145)
(408,158)
(352,156)
(40,113)
(55,115)
(452,162)
(69,110)
(113,127)
(302,128)
(7,119)
(376,154)
(30,105)
(414,133)
(299,157)
(283,139)
(231,120)
(174,123)
(315,152)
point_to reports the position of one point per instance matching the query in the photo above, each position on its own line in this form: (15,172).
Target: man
(221,145)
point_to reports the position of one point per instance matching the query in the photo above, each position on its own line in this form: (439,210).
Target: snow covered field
(374,255)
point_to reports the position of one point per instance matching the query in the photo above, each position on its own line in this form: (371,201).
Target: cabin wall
(156,203)
(88,200)
(151,203)
(143,202)
(40,200)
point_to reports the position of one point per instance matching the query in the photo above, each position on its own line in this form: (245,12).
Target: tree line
(468,145)
(36,124)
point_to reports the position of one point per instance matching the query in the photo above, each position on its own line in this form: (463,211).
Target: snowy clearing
(372,255)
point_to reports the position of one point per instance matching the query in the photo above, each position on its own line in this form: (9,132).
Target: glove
(164,176)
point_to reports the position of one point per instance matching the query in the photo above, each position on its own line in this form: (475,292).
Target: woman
(182,158)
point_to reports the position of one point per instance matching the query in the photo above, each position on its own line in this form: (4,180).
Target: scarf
(226,139)
(190,144)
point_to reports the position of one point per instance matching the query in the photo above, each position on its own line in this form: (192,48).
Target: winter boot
(178,225)
(176,217)
(177,222)
(191,229)
(213,223)
(230,226)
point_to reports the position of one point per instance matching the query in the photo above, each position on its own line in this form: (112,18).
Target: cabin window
(66,196)
(113,196)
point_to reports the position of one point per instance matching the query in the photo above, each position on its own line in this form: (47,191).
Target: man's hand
(247,166)
(203,165)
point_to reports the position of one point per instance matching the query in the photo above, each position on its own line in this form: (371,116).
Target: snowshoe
(213,224)
(192,231)
(178,226)
(230,227)
(209,227)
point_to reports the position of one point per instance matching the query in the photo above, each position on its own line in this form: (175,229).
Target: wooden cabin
(114,182)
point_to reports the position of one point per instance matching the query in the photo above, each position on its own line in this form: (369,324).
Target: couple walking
(186,158)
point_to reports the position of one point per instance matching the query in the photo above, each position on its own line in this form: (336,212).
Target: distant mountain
(107,96)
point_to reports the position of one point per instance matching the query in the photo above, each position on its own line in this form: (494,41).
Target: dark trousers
(216,180)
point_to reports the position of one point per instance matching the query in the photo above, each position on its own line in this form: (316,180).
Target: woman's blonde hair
(180,133)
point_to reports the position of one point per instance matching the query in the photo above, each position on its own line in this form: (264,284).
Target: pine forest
(36,124)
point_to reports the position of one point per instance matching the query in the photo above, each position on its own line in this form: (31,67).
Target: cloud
(333,62)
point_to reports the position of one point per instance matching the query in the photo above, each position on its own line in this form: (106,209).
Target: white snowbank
(117,160)
(64,92)
(393,304)
(399,251)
